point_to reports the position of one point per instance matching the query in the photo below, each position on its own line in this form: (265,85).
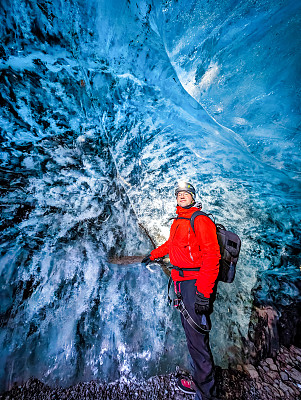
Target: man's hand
(201,305)
(146,260)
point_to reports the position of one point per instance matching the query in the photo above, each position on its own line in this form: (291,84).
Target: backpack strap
(193,216)
(196,214)
(229,244)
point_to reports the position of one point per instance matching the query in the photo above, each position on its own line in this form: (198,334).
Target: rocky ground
(272,379)
(278,377)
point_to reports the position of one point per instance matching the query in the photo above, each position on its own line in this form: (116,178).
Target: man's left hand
(201,305)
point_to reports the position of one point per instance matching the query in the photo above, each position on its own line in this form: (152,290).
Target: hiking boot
(186,385)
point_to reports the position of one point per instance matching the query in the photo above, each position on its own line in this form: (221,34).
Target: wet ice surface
(103,109)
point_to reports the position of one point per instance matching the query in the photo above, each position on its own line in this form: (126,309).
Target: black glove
(146,260)
(201,304)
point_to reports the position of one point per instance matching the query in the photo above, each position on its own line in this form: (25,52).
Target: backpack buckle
(177,302)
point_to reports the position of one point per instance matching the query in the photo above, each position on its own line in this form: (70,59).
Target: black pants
(198,345)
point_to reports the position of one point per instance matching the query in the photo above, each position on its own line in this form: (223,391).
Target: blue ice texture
(105,105)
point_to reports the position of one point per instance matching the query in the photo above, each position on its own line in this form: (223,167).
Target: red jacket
(189,250)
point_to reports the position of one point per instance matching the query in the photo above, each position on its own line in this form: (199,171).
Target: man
(195,256)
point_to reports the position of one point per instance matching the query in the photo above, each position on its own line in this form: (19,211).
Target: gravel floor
(278,378)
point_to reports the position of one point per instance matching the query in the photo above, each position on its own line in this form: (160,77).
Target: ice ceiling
(104,106)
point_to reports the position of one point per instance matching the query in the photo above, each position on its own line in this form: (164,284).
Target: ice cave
(105,105)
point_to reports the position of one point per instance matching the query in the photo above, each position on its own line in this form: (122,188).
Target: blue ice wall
(104,106)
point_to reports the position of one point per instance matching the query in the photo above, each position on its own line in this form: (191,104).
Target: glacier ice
(104,106)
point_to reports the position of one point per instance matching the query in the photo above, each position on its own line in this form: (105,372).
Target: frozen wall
(104,106)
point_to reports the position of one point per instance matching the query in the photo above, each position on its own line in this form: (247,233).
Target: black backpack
(229,244)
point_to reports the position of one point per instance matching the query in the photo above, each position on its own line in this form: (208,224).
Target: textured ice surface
(104,106)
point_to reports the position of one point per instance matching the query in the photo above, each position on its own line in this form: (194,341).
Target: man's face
(184,199)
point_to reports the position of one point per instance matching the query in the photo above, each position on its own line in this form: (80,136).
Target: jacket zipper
(174,233)
(189,248)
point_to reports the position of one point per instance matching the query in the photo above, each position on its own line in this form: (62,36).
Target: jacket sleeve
(205,231)
(160,251)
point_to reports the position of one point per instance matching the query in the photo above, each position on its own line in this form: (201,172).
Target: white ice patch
(240,121)
(29,163)
(209,77)
(188,81)
(132,78)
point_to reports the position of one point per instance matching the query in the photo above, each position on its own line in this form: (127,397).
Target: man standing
(194,255)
